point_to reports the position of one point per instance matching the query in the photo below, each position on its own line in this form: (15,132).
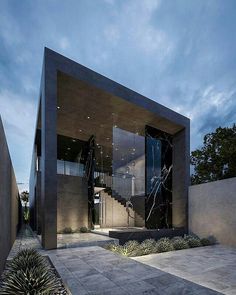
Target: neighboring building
(104,156)
(10,206)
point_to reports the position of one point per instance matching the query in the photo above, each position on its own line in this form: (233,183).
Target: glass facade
(128,163)
(129,176)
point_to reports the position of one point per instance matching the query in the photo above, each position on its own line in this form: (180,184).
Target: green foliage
(194,242)
(112,247)
(217,158)
(67,230)
(83,229)
(24,197)
(206,242)
(148,246)
(179,243)
(27,258)
(164,245)
(29,273)
(26,215)
(131,248)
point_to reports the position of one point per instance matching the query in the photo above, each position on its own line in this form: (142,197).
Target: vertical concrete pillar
(49,155)
(181,162)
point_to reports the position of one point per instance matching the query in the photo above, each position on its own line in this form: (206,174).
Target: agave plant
(29,273)
(36,280)
(26,259)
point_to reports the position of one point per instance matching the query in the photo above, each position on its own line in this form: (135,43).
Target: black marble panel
(158,208)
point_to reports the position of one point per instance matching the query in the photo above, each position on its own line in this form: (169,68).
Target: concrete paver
(212,266)
(94,270)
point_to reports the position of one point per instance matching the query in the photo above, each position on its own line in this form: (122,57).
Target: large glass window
(128,163)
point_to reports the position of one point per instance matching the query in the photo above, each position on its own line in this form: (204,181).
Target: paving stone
(94,270)
(213,267)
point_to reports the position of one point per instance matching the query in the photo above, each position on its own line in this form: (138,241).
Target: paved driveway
(94,270)
(212,266)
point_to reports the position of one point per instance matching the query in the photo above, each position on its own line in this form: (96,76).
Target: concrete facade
(72,203)
(69,95)
(212,210)
(9,201)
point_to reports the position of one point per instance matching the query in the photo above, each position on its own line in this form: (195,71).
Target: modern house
(104,156)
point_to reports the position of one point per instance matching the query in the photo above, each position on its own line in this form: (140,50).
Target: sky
(180,53)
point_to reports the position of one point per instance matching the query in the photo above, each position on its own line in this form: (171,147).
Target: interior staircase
(115,195)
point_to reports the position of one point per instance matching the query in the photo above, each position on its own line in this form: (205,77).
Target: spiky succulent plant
(25,259)
(35,280)
(30,273)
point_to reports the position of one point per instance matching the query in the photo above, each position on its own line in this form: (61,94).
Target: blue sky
(180,53)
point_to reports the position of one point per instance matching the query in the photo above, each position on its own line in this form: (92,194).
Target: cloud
(64,43)
(18,116)
(179,53)
(133,25)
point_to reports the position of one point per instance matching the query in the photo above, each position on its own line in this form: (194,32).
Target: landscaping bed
(31,273)
(133,248)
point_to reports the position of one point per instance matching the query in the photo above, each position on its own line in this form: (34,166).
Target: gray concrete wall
(212,210)
(9,201)
(180,178)
(72,202)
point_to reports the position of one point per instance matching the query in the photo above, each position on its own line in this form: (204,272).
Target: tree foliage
(217,158)
(25,199)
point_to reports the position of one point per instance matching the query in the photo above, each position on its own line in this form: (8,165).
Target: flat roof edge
(76,70)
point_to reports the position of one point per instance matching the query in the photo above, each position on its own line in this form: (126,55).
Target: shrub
(83,229)
(164,245)
(194,242)
(205,242)
(29,273)
(112,247)
(148,246)
(67,230)
(179,243)
(131,249)
(189,237)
